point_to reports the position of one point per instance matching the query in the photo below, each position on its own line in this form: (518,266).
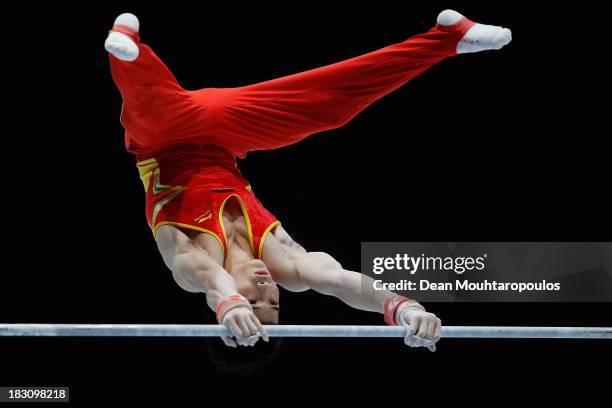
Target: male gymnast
(211,230)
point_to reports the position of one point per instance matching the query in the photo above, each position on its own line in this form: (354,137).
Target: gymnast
(212,232)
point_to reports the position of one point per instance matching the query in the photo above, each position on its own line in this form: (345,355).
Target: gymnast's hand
(422,327)
(244,326)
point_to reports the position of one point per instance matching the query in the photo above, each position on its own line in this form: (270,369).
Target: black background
(508,145)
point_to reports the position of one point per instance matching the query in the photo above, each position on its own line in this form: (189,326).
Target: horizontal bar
(198,330)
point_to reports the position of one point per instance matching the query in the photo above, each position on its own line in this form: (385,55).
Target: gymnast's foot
(479,37)
(120,44)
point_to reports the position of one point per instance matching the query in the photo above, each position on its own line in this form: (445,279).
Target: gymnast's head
(255,283)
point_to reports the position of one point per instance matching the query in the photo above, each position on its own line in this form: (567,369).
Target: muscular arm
(198,268)
(196,272)
(325,275)
(322,273)
(297,270)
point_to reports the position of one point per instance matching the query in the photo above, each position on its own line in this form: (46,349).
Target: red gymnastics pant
(171,130)
(158,113)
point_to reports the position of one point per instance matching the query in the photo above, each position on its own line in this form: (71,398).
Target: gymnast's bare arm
(196,265)
(298,270)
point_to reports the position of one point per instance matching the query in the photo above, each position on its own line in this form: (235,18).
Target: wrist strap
(393,305)
(390,310)
(228,303)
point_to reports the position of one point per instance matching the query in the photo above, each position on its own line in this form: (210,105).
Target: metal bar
(194,330)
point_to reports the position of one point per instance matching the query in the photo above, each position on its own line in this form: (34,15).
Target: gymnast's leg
(283,111)
(155,106)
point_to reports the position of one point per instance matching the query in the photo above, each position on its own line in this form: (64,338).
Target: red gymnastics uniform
(186,142)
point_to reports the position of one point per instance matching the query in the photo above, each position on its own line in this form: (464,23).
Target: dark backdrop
(497,146)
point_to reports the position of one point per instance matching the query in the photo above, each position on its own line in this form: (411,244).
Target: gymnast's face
(255,283)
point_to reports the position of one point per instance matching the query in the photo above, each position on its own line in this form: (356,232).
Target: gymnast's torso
(189,185)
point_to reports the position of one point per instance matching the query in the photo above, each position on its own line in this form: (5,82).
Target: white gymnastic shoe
(479,37)
(121,45)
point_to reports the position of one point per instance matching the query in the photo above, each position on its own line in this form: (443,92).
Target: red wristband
(228,303)
(392,304)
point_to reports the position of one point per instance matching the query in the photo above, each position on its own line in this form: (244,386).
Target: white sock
(479,37)
(448,17)
(128,20)
(121,45)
